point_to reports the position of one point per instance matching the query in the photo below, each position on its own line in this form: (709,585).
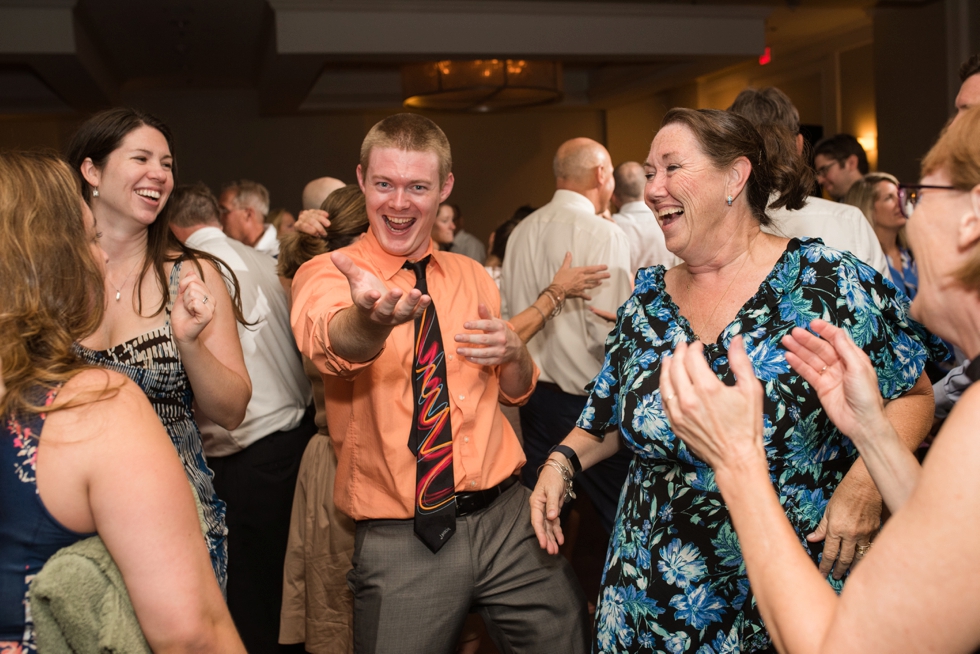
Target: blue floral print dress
(674,579)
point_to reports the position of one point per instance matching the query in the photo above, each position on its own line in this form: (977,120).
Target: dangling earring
(729,199)
(95,194)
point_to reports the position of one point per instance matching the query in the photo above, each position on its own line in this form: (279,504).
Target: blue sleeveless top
(29,534)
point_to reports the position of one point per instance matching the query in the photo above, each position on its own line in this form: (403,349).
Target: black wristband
(569,454)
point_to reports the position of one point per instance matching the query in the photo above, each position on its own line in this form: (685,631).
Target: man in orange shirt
(426,461)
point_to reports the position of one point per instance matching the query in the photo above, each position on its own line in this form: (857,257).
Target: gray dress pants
(409,600)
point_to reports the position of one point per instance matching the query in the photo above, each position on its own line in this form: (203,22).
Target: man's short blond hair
(411,133)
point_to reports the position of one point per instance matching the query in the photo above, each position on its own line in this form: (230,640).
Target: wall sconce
(481,85)
(869,142)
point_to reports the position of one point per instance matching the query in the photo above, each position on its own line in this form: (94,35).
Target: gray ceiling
(61,56)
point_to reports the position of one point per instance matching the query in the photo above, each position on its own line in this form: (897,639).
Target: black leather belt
(467,503)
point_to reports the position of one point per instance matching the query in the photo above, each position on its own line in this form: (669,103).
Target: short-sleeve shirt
(673,556)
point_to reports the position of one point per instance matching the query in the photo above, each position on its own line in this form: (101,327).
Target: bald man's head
(583,165)
(630,180)
(317,191)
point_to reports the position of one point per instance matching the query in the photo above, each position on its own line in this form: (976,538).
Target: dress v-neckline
(792,245)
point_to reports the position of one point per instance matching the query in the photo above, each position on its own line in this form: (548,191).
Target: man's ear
(447,186)
(360,177)
(91,173)
(851,163)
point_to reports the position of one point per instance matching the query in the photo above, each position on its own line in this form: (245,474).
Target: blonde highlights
(51,288)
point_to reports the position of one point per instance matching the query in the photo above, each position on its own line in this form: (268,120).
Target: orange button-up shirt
(369,405)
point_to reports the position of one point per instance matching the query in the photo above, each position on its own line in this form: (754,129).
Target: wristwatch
(569,454)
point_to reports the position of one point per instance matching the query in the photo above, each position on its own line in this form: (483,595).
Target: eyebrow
(150,152)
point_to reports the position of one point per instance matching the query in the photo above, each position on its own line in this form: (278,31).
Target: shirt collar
(571,198)
(204,235)
(638,206)
(388,263)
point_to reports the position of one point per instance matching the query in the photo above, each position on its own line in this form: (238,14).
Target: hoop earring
(729,200)
(95,193)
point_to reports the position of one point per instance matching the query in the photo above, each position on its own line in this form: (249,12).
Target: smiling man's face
(402,193)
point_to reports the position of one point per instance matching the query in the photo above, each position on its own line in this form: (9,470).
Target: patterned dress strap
(174,286)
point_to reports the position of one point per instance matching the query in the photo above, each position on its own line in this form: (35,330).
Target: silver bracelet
(566,476)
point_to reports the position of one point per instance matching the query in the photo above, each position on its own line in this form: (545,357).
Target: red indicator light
(766,57)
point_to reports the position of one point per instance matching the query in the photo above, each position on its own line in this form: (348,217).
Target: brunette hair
(52,292)
(767,106)
(97,139)
(778,122)
(725,137)
(348,220)
(957,153)
(411,133)
(840,148)
(192,205)
(502,234)
(970,67)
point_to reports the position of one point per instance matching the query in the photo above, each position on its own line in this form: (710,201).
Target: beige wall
(501,161)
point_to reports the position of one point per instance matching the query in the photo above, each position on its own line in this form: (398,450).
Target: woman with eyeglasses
(916,589)
(876,195)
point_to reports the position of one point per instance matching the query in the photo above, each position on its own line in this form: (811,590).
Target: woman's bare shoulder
(96,402)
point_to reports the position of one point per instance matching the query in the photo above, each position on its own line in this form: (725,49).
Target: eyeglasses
(908,196)
(822,170)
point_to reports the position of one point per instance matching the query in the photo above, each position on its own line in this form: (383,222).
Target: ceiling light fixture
(481,85)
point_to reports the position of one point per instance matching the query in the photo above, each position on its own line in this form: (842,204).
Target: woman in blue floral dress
(674,579)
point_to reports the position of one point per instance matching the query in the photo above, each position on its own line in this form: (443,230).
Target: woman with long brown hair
(81,450)
(168,326)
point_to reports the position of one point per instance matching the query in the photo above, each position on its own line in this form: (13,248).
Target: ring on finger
(670,397)
(862,549)
(822,370)
(205,300)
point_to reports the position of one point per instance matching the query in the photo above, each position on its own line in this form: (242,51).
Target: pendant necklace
(125,281)
(697,336)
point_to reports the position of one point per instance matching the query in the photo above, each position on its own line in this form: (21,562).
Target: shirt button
(462,397)
(450,357)
(472,483)
(466,439)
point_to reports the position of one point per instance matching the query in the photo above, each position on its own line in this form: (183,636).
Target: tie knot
(418,267)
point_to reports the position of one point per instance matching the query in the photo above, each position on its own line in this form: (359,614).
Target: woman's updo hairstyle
(348,220)
(724,137)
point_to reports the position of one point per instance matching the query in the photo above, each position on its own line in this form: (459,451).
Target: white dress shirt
(269,243)
(646,238)
(280,390)
(571,347)
(841,227)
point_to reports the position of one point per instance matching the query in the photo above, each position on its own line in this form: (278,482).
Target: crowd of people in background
(361,428)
